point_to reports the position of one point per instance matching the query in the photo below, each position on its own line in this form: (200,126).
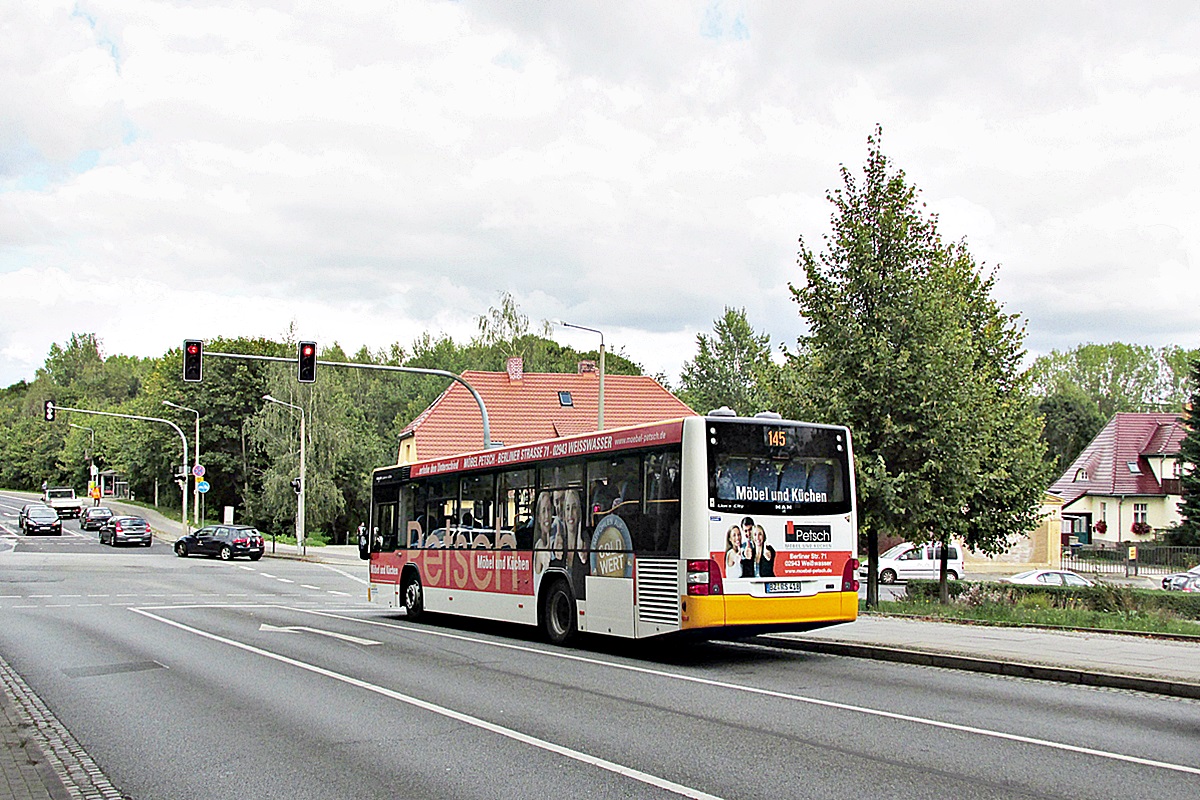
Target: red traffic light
(307,362)
(193,355)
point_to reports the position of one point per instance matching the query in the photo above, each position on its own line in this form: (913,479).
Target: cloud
(375,171)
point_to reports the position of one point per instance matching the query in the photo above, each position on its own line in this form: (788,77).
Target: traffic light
(193,353)
(49,411)
(307,360)
(296,485)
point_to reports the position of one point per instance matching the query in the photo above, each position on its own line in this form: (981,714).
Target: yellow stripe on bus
(739,609)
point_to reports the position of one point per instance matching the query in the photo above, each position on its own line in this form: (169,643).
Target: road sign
(198,471)
(202,487)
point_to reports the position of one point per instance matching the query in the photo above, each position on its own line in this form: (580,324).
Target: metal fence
(1130,559)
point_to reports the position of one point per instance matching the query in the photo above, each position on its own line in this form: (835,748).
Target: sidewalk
(1120,661)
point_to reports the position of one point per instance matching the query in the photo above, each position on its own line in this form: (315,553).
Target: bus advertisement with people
(711,525)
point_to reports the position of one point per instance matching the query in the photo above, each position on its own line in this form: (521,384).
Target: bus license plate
(784,587)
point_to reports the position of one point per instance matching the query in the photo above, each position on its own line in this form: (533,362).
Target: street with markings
(205,679)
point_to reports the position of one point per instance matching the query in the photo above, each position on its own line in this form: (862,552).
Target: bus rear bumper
(769,613)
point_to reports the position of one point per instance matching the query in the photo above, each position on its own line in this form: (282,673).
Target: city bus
(713,525)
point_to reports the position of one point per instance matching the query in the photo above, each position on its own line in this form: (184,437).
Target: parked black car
(126,530)
(1177,580)
(223,541)
(93,518)
(41,519)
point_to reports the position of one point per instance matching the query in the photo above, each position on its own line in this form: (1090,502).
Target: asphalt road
(202,679)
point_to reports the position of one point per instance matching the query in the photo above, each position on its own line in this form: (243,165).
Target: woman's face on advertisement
(760,536)
(545,511)
(735,537)
(572,512)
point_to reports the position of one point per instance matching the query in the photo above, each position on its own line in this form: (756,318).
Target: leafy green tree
(907,347)
(731,368)
(1071,419)
(1188,531)
(1117,376)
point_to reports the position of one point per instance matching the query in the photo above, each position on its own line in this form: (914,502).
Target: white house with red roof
(530,407)
(1124,486)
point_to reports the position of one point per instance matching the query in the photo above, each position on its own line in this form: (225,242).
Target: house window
(1139,512)
(1133,467)
(565,399)
(1081,475)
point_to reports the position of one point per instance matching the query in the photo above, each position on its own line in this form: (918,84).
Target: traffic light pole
(182,439)
(487,431)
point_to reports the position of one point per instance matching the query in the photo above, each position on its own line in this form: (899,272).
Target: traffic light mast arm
(182,439)
(487,431)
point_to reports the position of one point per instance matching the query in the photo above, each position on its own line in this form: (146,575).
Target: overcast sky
(369,171)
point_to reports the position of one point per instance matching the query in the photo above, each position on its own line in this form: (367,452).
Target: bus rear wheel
(414,599)
(558,614)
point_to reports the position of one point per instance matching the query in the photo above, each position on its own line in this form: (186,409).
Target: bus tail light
(704,578)
(849,582)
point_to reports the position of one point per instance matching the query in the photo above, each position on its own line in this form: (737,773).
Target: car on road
(93,518)
(1048,577)
(38,518)
(222,541)
(126,530)
(1178,579)
(906,561)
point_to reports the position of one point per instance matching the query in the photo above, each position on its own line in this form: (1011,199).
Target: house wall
(1117,512)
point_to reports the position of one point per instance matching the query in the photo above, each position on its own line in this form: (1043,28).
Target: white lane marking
(345,574)
(310,586)
(332,634)
(266,575)
(813,701)
(284,580)
(595,761)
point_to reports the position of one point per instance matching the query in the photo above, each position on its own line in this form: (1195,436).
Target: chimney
(586,367)
(516,368)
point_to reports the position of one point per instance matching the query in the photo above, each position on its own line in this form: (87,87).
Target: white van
(906,561)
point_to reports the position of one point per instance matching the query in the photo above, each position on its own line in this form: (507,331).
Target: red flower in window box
(1101,527)
(1140,528)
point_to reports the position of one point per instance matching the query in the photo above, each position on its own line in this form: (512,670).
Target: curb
(1014,669)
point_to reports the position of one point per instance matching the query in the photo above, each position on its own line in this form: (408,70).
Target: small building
(1041,548)
(530,407)
(1125,485)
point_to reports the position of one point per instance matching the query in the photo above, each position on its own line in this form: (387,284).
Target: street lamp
(195,477)
(300,496)
(600,422)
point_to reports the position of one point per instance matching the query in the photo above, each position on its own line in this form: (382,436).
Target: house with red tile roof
(529,407)
(1128,475)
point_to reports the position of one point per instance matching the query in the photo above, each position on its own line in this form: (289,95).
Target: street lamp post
(600,421)
(195,478)
(300,497)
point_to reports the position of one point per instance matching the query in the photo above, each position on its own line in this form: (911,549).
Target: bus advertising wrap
(775,548)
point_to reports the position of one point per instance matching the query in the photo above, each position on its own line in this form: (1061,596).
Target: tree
(1188,531)
(1117,376)
(731,367)
(906,346)
(1071,419)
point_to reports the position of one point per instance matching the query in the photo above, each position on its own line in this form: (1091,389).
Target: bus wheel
(558,613)
(888,576)
(414,600)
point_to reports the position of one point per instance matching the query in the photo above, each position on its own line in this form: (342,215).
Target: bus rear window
(796,469)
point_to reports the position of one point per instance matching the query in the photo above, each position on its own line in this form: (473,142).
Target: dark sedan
(41,519)
(1177,580)
(126,530)
(223,541)
(93,518)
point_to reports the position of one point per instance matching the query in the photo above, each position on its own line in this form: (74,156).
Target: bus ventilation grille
(658,590)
